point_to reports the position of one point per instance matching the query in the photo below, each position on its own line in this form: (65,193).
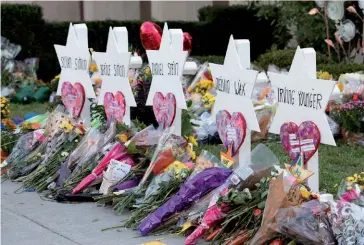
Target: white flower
(347,30)
(361,4)
(64,154)
(76,140)
(320,4)
(335,10)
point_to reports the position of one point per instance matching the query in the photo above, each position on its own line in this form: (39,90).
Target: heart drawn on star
(305,138)
(114,106)
(73,97)
(231,129)
(164,109)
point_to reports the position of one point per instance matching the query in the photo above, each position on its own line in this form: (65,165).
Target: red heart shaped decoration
(231,129)
(305,138)
(164,109)
(114,106)
(150,35)
(73,97)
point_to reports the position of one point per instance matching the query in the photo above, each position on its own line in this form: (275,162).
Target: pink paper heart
(114,106)
(164,109)
(231,129)
(305,138)
(73,97)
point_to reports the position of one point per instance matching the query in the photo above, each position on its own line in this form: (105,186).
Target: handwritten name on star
(299,98)
(73,63)
(223,85)
(115,70)
(160,69)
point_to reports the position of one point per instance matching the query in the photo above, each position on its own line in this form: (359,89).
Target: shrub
(24,25)
(283,59)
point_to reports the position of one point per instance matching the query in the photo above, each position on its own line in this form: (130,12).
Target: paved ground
(26,219)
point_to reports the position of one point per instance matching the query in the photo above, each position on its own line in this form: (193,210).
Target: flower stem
(327,32)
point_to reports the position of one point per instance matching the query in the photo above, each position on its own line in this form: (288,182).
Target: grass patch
(20,110)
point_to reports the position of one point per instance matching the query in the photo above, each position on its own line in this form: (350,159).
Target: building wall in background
(114,10)
(124,10)
(177,10)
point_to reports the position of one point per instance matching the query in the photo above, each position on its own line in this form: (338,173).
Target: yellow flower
(58,76)
(350,179)
(93,67)
(191,152)
(324,75)
(340,86)
(192,140)
(304,192)
(123,138)
(67,126)
(147,70)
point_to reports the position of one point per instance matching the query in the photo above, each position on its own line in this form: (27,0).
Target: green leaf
(261,205)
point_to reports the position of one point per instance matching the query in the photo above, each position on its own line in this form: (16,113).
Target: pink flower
(349,196)
(257,212)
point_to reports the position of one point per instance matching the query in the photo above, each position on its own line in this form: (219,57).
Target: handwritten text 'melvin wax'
(223,85)
(158,69)
(74,63)
(309,100)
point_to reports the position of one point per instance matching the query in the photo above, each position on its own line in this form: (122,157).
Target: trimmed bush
(283,59)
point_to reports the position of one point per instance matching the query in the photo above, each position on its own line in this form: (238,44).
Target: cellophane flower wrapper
(347,222)
(170,148)
(281,195)
(306,223)
(25,145)
(91,144)
(117,153)
(351,192)
(204,161)
(214,215)
(98,145)
(146,137)
(206,126)
(192,190)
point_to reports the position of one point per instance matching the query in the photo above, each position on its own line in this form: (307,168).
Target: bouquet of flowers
(160,189)
(170,148)
(26,144)
(190,191)
(346,220)
(283,192)
(306,223)
(58,147)
(117,153)
(351,189)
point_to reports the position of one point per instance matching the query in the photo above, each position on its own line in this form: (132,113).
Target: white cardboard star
(113,66)
(167,65)
(301,98)
(74,61)
(234,87)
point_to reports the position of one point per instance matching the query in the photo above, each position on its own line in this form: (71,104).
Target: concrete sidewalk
(26,219)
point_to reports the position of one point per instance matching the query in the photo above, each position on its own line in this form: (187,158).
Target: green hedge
(24,24)
(283,59)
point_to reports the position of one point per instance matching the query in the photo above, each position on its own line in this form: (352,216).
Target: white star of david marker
(167,65)
(113,66)
(234,87)
(74,61)
(301,98)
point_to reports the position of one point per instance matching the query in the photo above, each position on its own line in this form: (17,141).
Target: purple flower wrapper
(127,184)
(189,192)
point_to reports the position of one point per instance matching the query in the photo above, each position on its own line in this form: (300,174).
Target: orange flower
(35,126)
